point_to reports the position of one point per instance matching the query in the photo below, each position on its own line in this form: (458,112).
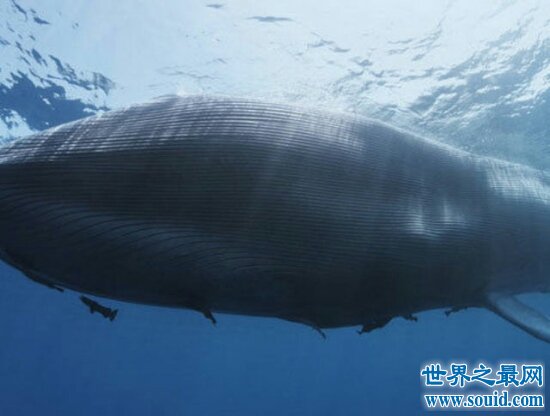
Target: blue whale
(239,206)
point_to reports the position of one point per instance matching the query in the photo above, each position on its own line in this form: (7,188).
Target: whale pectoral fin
(520,314)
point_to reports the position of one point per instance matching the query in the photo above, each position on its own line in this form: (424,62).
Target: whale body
(239,206)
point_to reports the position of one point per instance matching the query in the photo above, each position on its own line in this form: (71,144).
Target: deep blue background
(56,358)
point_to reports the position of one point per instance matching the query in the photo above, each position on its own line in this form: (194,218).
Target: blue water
(475,78)
(58,359)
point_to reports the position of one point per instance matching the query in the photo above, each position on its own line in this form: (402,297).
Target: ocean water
(472,74)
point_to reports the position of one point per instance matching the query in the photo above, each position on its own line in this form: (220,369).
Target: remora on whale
(238,206)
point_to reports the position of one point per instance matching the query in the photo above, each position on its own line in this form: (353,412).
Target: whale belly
(242,207)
